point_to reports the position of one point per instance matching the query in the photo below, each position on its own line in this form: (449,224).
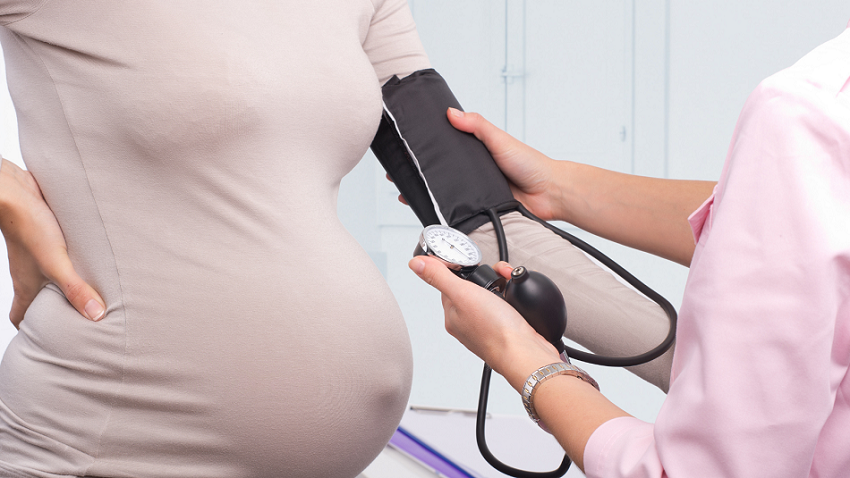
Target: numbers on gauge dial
(452,245)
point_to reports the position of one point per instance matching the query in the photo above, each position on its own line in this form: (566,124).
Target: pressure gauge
(451,246)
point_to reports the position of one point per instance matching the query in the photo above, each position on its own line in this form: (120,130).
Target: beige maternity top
(192,152)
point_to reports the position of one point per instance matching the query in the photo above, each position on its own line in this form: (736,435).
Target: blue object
(417,449)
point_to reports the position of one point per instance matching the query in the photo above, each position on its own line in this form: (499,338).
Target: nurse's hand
(529,171)
(487,325)
(37,251)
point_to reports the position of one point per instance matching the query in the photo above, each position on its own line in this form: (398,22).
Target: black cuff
(456,168)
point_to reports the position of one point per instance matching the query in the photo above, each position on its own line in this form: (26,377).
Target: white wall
(719,52)
(695,63)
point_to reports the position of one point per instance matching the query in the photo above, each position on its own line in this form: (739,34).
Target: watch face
(451,246)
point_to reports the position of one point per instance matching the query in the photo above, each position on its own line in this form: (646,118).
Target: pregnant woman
(191,153)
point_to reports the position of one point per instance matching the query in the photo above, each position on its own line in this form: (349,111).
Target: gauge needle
(455,248)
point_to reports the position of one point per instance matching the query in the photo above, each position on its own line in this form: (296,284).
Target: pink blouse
(760,381)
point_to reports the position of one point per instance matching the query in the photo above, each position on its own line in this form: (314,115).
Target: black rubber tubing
(656,352)
(484,395)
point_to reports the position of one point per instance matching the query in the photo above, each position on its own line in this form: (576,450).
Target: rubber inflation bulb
(540,302)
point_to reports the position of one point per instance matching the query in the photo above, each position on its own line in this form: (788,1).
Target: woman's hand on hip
(36,247)
(487,325)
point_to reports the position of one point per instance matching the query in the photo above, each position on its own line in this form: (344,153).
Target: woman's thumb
(80,294)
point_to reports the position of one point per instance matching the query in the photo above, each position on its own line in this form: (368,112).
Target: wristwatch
(545,373)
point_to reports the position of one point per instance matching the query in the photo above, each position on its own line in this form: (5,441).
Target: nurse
(760,382)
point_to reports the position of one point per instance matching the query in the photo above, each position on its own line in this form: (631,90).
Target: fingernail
(417,265)
(94,310)
(455,112)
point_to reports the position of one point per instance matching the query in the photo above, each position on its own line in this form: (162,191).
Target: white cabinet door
(569,79)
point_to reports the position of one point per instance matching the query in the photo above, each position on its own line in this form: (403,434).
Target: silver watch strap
(545,373)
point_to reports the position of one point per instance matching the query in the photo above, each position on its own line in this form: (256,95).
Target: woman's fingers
(78,292)
(20,303)
(37,249)
(31,271)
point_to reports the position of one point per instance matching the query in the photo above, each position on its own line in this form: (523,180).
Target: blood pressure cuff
(440,171)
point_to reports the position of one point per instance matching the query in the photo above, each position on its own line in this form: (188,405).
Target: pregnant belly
(205,375)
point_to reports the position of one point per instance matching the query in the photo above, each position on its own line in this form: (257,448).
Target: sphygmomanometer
(453,186)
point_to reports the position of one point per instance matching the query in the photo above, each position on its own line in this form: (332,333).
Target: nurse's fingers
(503,269)
(438,275)
(496,140)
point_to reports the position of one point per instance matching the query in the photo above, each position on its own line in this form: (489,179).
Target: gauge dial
(451,246)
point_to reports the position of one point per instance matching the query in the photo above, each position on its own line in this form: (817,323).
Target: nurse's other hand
(528,170)
(487,325)
(37,251)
